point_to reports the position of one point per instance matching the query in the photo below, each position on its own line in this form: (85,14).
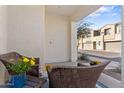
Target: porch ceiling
(75,12)
(65,10)
(84,11)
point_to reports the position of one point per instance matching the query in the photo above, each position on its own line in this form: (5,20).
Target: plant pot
(18,81)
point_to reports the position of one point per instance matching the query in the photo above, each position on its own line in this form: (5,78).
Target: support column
(122,51)
(73,42)
(42,58)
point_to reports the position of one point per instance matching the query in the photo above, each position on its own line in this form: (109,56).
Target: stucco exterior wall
(26,30)
(99,42)
(88,43)
(118,36)
(112,32)
(80,41)
(88,46)
(3,29)
(57,38)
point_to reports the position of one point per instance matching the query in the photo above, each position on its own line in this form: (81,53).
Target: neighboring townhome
(108,38)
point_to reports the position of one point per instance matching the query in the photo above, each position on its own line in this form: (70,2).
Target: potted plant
(18,71)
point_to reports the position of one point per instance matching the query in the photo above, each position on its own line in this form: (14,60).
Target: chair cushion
(83,64)
(48,67)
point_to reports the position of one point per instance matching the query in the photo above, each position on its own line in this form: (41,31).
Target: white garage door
(113,46)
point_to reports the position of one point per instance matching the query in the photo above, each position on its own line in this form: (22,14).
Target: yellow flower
(25,59)
(32,62)
(33,58)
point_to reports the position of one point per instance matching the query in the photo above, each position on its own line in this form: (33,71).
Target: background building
(108,38)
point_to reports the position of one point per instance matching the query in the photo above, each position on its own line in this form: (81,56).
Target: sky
(107,14)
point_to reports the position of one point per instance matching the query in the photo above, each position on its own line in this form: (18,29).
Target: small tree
(83,31)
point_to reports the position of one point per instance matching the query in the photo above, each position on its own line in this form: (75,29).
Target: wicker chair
(75,77)
(11,58)
(4,75)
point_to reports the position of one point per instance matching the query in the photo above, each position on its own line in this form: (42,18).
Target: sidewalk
(102,54)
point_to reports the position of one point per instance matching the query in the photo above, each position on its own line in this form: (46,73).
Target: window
(96,33)
(107,31)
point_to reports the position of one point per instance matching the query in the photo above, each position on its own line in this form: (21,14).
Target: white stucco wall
(88,43)
(97,39)
(26,30)
(88,46)
(57,38)
(3,30)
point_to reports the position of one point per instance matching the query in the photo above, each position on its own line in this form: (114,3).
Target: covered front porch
(47,32)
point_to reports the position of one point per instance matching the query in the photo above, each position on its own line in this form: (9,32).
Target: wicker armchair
(4,75)
(75,77)
(11,58)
